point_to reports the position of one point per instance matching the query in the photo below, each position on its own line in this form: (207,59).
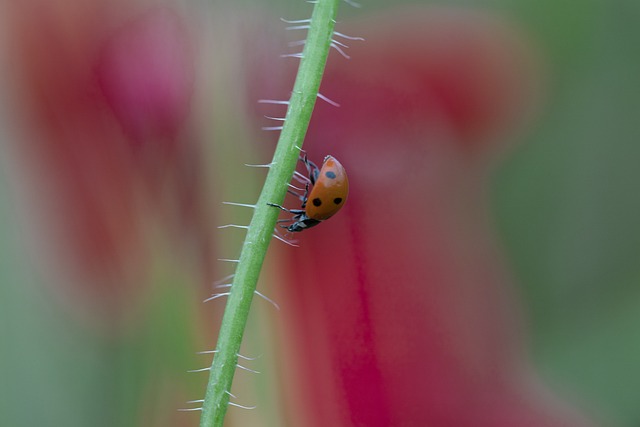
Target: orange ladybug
(328,194)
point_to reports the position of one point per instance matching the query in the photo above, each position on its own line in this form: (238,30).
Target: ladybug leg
(293,211)
(283,222)
(304,198)
(278,206)
(295,218)
(312,169)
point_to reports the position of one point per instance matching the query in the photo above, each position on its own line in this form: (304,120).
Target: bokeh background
(485,271)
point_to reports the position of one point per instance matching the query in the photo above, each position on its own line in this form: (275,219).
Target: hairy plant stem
(262,224)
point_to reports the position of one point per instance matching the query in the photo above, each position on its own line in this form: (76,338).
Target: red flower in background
(146,74)
(401,309)
(106,93)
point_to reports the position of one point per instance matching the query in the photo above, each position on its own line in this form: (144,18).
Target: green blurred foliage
(57,371)
(568,206)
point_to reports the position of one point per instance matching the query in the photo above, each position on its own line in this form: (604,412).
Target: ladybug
(328,194)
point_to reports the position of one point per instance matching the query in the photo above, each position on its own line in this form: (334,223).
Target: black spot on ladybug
(317,202)
(337,200)
(330,174)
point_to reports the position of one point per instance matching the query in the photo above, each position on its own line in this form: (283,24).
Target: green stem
(259,234)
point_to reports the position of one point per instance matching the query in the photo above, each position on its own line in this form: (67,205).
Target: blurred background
(484,271)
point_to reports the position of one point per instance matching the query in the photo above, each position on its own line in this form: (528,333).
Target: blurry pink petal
(146,73)
(95,192)
(448,66)
(401,307)
(78,158)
